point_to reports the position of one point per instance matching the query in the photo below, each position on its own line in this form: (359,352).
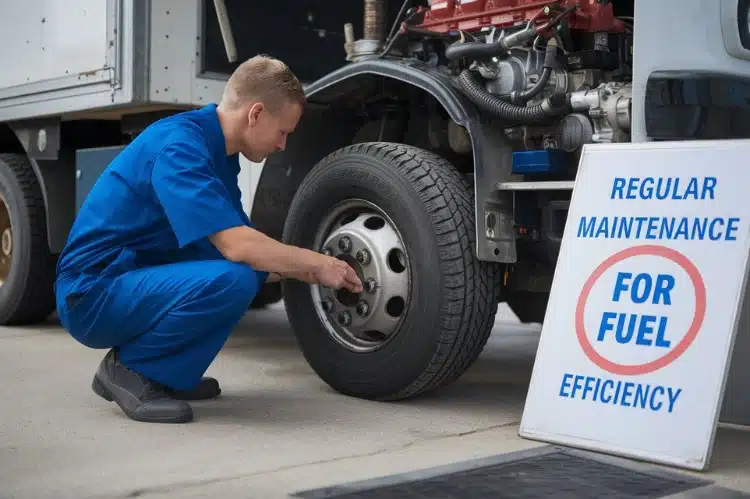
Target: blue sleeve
(195,201)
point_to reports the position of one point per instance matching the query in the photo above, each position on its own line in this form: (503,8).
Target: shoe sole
(188,398)
(107,395)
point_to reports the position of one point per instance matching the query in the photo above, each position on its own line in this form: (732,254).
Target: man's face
(267,130)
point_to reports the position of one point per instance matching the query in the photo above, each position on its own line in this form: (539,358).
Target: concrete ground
(276,430)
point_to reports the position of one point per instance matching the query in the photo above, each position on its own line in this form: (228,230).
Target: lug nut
(327,305)
(363,308)
(345,244)
(363,256)
(345,318)
(370,284)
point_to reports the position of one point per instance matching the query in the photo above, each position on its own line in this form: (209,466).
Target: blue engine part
(539,161)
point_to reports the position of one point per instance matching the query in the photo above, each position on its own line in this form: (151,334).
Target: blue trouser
(170,321)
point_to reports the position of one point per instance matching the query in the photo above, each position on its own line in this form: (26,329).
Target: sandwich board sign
(645,301)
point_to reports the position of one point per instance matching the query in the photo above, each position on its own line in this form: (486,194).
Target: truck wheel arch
(330,123)
(55,172)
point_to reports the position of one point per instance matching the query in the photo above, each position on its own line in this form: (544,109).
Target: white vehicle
(437,155)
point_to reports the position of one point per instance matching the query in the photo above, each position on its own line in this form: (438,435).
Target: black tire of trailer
(453,296)
(27,295)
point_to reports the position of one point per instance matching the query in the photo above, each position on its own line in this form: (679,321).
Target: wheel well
(383,109)
(55,168)
(363,108)
(9,142)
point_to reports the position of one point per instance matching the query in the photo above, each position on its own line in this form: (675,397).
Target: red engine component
(471,15)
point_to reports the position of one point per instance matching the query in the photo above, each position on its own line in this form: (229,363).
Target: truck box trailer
(437,155)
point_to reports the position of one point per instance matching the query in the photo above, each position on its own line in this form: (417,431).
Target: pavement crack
(449,435)
(161,489)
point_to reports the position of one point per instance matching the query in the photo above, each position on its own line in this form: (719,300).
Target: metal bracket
(40,137)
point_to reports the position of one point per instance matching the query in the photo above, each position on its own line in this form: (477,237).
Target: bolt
(363,256)
(370,284)
(327,305)
(327,251)
(363,308)
(345,318)
(7,242)
(345,244)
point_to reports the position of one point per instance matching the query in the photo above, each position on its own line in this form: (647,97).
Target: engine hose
(475,50)
(550,63)
(532,92)
(478,50)
(469,81)
(500,48)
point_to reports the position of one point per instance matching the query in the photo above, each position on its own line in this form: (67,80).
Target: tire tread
(35,298)
(470,290)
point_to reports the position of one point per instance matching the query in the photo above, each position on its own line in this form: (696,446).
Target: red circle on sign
(649,367)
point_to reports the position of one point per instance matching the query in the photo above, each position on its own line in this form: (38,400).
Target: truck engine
(551,75)
(558,73)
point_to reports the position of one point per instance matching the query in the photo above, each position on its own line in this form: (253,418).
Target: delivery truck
(437,154)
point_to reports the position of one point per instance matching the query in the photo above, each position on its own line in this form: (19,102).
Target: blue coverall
(138,271)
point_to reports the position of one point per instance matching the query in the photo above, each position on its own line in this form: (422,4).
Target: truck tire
(269,294)
(27,270)
(528,306)
(432,305)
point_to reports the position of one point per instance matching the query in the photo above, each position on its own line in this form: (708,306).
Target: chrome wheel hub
(362,235)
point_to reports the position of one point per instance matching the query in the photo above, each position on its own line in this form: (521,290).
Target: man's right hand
(337,274)
(247,245)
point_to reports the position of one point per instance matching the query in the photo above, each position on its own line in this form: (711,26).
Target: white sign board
(645,302)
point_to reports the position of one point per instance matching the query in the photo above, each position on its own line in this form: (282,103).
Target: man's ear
(254,114)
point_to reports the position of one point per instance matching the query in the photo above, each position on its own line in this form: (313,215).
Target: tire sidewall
(407,355)
(10,190)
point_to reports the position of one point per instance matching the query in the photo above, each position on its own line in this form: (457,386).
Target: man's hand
(337,274)
(247,245)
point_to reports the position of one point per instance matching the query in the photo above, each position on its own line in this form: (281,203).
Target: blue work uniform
(138,271)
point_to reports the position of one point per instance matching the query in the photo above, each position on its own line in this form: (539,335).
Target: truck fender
(55,171)
(329,124)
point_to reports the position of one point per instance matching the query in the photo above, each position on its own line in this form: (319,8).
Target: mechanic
(162,262)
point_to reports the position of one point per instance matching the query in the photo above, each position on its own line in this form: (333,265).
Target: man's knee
(238,282)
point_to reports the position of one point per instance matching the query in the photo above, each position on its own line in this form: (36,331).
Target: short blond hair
(265,79)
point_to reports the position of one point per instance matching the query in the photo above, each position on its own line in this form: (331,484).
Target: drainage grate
(547,472)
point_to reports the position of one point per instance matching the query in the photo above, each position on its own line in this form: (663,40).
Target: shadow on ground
(499,378)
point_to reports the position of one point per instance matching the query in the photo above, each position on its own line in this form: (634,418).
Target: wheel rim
(362,235)
(6,241)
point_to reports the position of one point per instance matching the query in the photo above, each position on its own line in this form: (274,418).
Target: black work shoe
(140,398)
(207,388)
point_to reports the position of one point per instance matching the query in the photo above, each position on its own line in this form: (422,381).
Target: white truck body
(84,55)
(106,58)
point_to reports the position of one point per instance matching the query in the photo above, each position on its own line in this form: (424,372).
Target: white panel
(176,44)
(174,47)
(248,181)
(692,40)
(46,39)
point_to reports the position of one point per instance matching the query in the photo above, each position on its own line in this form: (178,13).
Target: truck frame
(437,155)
